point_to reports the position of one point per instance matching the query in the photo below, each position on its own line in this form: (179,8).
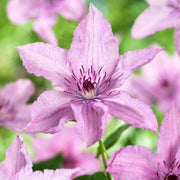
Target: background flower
(158,16)
(18,165)
(138,162)
(158,82)
(15,114)
(68,143)
(45,14)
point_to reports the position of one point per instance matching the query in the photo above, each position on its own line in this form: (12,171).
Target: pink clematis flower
(90,75)
(18,166)
(45,12)
(138,162)
(70,145)
(159,82)
(15,114)
(160,15)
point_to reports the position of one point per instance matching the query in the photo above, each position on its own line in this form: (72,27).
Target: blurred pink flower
(90,76)
(138,162)
(45,14)
(160,15)
(18,166)
(70,145)
(158,83)
(15,114)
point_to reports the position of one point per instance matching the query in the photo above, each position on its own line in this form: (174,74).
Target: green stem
(104,149)
(103,152)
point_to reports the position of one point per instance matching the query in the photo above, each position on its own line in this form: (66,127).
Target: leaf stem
(103,152)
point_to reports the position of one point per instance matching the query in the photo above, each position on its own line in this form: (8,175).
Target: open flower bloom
(15,114)
(160,15)
(90,75)
(70,145)
(158,83)
(138,162)
(18,166)
(45,14)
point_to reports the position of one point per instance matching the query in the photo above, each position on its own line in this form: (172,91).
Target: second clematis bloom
(18,166)
(160,15)
(158,83)
(90,75)
(138,162)
(68,143)
(45,14)
(15,114)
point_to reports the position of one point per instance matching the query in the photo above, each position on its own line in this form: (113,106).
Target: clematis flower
(160,15)
(90,76)
(15,114)
(159,82)
(70,145)
(138,162)
(18,166)
(45,14)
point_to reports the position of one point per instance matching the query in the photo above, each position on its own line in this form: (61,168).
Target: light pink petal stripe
(132,111)
(94,45)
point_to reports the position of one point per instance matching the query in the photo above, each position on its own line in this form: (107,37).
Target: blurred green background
(121,15)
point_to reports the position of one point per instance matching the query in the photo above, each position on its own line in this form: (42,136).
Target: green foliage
(6,138)
(113,137)
(53,163)
(96,176)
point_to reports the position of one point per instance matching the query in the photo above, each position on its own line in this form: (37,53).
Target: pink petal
(16,93)
(20,11)
(132,111)
(72,151)
(45,60)
(94,45)
(133,60)
(177,39)
(88,163)
(60,142)
(43,27)
(17,160)
(50,112)
(132,163)
(91,121)
(157,3)
(169,138)
(20,120)
(58,174)
(178,155)
(154,19)
(73,10)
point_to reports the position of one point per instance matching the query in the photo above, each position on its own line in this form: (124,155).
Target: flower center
(168,87)
(169,172)
(174,4)
(171,177)
(88,85)
(165,84)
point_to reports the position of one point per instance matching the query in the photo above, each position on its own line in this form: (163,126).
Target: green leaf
(54,163)
(112,138)
(6,138)
(96,176)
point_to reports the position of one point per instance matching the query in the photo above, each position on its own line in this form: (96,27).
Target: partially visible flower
(45,14)
(158,83)
(15,114)
(160,15)
(90,76)
(138,162)
(18,166)
(70,145)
